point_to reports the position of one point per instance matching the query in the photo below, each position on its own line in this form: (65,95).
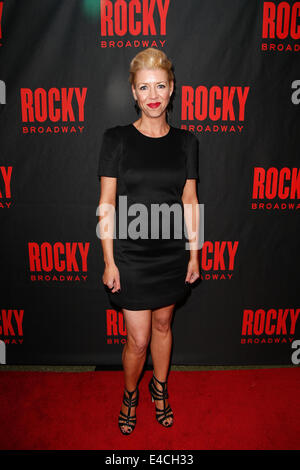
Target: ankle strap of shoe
(130,394)
(161,383)
(129,401)
(159,394)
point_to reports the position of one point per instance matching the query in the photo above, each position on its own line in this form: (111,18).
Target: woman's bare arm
(107,203)
(191,217)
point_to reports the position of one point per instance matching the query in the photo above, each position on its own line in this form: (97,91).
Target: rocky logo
(135,20)
(269,326)
(45,108)
(216,109)
(115,327)
(11,326)
(276,189)
(5,187)
(59,262)
(280,22)
(218,260)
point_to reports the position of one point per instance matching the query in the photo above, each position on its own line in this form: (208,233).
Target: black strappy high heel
(156,394)
(127,420)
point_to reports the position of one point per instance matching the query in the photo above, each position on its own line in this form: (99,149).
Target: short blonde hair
(150,58)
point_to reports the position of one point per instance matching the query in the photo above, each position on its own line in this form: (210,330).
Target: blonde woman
(145,163)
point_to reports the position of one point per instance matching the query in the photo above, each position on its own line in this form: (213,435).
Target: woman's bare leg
(161,344)
(138,326)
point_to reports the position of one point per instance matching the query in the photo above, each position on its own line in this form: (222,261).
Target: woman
(148,162)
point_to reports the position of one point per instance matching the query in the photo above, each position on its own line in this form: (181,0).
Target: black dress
(149,170)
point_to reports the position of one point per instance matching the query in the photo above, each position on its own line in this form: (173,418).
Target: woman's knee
(138,344)
(162,325)
(138,325)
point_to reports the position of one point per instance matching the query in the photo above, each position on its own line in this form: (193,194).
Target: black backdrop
(64,79)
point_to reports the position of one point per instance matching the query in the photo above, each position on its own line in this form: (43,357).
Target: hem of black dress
(138,306)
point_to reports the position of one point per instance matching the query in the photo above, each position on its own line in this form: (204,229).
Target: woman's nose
(153,93)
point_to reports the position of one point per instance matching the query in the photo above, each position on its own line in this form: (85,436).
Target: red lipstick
(153,105)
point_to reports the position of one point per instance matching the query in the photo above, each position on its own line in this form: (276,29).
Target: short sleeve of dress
(192,148)
(109,156)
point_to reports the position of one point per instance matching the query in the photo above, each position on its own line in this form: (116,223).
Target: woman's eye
(144,86)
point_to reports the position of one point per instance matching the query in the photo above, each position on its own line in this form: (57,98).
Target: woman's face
(152,91)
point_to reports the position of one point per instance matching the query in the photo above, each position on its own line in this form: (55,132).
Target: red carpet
(238,409)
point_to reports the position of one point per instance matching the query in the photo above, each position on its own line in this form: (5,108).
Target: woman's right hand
(111,278)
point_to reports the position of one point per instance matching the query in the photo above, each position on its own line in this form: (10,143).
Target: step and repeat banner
(64,67)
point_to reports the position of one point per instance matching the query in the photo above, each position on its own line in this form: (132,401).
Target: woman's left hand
(193,271)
